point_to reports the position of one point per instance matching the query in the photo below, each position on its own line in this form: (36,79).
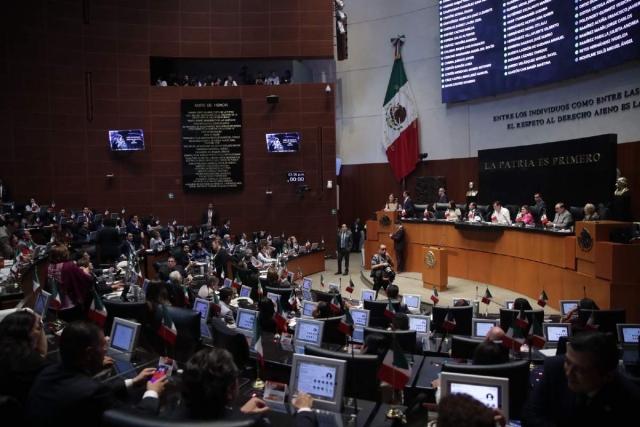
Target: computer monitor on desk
(628,335)
(306,295)
(360,317)
(493,392)
(554,331)
(566,305)
(367,295)
(307,283)
(202,305)
(123,339)
(307,308)
(334,286)
(321,377)
(307,332)
(42,304)
(412,301)
(273,297)
(481,327)
(245,321)
(508,303)
(245,292)
(420,324)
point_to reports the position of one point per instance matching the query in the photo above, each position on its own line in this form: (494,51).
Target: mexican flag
(521,320)
(514,339)
(400,123)
(449,322)
(36,280)
(56,301)
(389,310)
(215,304)
(346,323)
(293,300)
(299,276)
(280,318)
(167,329)
(350,286)
(257,342)
(591,324)
(97,312)
(237,283)
(542,299)
(260,291)
(322,280)
(434,297)
(487,297)
(335,305)
(395,369)
(537,334)
(187,301)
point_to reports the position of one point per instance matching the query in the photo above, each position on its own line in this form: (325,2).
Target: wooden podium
(435,268)
(588,235)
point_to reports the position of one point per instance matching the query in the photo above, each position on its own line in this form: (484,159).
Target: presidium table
(523,260)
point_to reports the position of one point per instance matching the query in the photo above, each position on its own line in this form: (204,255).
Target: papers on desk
(548,352)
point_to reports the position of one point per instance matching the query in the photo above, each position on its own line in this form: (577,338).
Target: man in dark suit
(225,229)
(172,266)
(408,208)
(66,394)
(356,229)
(583,387)
(127,247)
(220,256)
(442,196)
(200,401)
(210,216)
(344,242)
(83,232)
(399,245)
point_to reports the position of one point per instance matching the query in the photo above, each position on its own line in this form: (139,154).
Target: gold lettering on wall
(544,161)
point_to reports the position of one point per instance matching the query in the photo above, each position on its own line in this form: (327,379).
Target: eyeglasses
(383,249)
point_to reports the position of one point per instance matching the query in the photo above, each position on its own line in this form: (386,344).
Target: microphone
(446,331)
(476,291)
(584,291)
(441,240)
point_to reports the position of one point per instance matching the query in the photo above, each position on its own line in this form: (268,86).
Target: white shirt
(233,83)
(273,80)
(205,292)
(501,217)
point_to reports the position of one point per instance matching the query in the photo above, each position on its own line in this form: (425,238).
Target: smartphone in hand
(161,372)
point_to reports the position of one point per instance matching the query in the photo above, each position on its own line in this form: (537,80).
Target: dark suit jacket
(348,240)
(214,217)
(399,243)
(109,241)
(131,228)
(220,260)
(164,272)
(19,372)
(82,234)
(552,403)
(223,230)
(124,248)
(302,419)
(62,396)
(409,207)
(443,199)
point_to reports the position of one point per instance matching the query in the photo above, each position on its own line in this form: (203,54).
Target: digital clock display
(295,176)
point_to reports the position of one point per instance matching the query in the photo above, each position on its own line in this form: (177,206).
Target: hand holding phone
(161,372)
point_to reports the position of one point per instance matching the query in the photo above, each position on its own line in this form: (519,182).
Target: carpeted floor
(412,283)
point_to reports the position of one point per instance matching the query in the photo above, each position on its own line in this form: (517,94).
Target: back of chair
(332,334)
(323,296)
(284,293)
(518,374)
(465,347)
(133,418)
(359,380)
(187,323)
(376,312)
(136,311)
(441,206)
(11,410)
(605,320)
(577,213)
(406,339)
(232,341)
(462,315)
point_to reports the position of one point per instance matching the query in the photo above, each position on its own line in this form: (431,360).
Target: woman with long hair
(73,284)
(23,348)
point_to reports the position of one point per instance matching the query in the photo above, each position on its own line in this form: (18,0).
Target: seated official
(590,213)
(495,334)
(391,205)
(220,256)
(156,240)
(226,312)
(171,266)
(474,215)
(524,216)
(461,303)
(266,318)
(66,394)
(452,213)
(228,244)
(184,257)
(522,304)
(99,285)
(583,387)
(322,311)
(255,262)
(392,294)
(25,242)
(572,315)
(200,254)
(207,290)
(563,218)
(210,386)
(128,247)
(500,215)
(23,348)
(263,256)
(273,281)
(176,289)
(399,322)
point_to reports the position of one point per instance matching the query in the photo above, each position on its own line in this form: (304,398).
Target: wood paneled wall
(364,188)
(51,151)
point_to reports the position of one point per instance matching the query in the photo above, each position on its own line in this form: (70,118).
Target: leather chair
(157,265)
(11,410)
(440,215)
(484,209)
(535,213)
(463,207)
(605,319)
(232,341)
(577,213)
(135,311)
(359,380)
(284,293)
(604,213)
(513,211)
(322,296)
(517,372)
(441,207)
(331,334)
(462,315)
(406,339)
(376,312)
(187,323)
(132,418)
(465,347)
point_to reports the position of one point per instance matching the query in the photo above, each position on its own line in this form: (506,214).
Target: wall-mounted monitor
(126,140)
(283,142)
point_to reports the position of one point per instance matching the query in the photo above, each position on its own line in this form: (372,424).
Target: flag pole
(258,383)
(393,411)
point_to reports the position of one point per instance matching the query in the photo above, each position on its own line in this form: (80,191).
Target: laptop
(302,249)
(314,246)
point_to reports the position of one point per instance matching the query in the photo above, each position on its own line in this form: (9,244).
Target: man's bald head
(495,334)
